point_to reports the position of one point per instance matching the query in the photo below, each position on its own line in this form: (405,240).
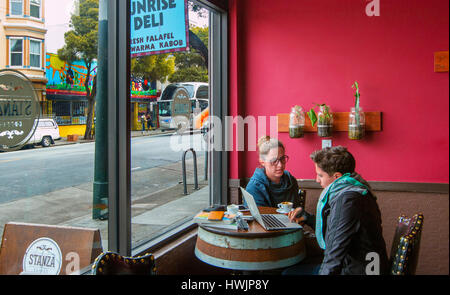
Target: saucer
(279,210)
(229,213)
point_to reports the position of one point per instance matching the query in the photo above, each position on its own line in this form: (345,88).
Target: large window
(67,184)
(158,201)
(16,7)
(35,8)
(35,53)
(16,52)
(148,197)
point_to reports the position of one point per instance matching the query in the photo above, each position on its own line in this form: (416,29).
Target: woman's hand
(295,212)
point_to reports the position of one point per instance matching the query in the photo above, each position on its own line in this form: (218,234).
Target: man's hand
(295,212)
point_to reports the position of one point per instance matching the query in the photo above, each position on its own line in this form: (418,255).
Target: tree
(193,65)
(192,74)
(81,43)
(199,40)
(153,67)
(201,12)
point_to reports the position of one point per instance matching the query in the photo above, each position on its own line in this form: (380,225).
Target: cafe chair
(302,196)
(406,244)
(111,263)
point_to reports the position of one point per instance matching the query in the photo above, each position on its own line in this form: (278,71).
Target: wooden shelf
(340,122)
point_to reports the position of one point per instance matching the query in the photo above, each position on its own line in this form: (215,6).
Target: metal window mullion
(119,178)
(113,232)
(219,96)
(124,129)
(224,98)
(214,156)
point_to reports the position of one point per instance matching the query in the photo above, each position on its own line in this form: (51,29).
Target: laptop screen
(252,206)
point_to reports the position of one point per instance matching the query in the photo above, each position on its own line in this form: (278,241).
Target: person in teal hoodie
(271,184)
(347,223)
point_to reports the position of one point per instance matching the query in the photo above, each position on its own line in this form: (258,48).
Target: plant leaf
(312,116)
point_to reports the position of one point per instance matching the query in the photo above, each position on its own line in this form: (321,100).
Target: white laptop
(268,221)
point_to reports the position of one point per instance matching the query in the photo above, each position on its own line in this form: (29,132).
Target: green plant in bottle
(356,123)
(324,119)
(296,122)
(357,96)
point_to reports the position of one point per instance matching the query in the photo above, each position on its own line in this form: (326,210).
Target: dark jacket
(269,194)
(352,230)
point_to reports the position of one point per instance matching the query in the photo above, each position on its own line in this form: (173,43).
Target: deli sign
(19,110)
(158,26)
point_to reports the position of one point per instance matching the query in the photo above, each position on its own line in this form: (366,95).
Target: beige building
(22,40)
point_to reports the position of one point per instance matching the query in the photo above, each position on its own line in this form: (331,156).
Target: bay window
(35,8)
(16,7)
(16,52)
(35,53)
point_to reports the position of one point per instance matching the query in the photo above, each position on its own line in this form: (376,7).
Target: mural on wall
(62,76)
(65,77)
(142,88)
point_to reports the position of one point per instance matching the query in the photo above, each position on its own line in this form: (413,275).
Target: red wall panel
(300,52)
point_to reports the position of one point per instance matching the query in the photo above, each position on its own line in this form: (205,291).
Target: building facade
(66,98)
(22,40)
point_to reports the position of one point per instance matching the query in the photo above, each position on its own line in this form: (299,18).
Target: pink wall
(296,52)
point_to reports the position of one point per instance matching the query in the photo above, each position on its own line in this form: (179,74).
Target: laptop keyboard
(271,221)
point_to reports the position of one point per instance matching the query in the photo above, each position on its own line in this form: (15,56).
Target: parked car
(47,131)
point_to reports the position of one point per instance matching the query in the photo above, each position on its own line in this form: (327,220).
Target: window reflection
(54,185)
(158,200)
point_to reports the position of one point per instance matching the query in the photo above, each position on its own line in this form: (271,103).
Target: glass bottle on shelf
(296,122)
(325,122)
(356,123)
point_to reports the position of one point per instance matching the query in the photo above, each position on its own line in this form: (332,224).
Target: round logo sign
(181,105)
(181,109)
(19,110)
(43,256)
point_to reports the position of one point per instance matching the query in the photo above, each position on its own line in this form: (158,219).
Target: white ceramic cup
(285,206)
(233,209)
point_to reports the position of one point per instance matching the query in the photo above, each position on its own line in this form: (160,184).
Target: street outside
(54,185)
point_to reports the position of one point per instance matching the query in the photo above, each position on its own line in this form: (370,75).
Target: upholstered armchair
(302,197)
(406,244)
(111,263)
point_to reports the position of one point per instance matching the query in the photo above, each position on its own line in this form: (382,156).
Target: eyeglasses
(282,159)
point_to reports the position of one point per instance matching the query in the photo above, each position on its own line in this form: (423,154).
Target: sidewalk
(151,215)
(162,205)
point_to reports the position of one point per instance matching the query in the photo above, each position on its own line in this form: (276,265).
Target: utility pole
(100,194)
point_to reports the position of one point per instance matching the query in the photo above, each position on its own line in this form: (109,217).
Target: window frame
(11,52)
(11,10)
(119,160)
(40,53)
(40,9)
(201,91)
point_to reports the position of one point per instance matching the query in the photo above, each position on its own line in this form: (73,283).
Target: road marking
(136,168)
(12,160)
(143,142)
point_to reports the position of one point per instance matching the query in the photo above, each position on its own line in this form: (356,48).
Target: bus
(199,97)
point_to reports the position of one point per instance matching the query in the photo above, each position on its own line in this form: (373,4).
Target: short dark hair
(334,159)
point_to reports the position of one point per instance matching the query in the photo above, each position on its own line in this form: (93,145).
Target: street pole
(100,194)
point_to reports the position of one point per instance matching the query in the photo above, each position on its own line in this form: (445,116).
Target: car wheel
(46,141)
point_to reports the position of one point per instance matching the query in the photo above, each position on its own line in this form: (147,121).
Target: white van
(47,131)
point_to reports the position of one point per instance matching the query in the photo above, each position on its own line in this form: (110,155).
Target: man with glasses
(271,184)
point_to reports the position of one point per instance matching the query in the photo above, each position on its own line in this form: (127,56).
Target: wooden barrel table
(252,250)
